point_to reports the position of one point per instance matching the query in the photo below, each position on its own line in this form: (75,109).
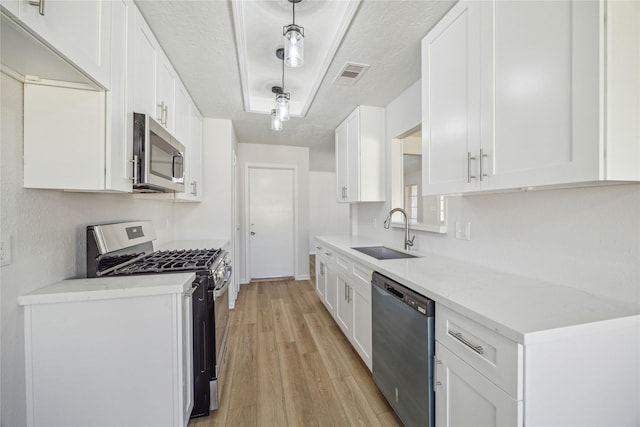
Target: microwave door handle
(173,168)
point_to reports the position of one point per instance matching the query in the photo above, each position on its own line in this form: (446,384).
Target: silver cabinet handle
(161,107)
(436,362)
(194,188)
(135,168)
(319,247)
(469,176)
(349,297)
(166,114)
(475,347)
(327,253)
(482,157)
(40,5)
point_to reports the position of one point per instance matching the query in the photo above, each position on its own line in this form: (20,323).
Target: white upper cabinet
(526,94)
(360,164)
(77,139)
(451,99)
(144,56)
(166,94)
(119,146)
(80,31)
(193,170)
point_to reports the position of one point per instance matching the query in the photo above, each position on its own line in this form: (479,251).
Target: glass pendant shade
(293,46)
(276,124)
(282,110)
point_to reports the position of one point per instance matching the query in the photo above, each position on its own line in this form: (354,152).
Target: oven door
(221,310)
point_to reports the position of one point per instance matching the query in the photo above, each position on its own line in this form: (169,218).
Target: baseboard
(303,277)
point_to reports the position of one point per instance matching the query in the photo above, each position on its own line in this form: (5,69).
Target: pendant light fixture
(276,124)
(293,41)
(282,98)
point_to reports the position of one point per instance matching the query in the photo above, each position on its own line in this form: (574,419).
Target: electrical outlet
(5,251)
(463,230)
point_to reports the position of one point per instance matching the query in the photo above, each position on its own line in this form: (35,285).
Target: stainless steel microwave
(158,158)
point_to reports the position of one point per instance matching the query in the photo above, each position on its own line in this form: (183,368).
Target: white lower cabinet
(344,287)
(344,308)
(87,366)
(485,379)
(464,397)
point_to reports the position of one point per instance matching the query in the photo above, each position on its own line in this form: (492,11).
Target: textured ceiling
(198,37)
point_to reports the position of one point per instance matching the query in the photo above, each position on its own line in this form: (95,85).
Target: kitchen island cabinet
(110,351)
(531,94)
(516,351)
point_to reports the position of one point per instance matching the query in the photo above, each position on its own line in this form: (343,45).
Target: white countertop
(522,309)
(109,287)
(193,244)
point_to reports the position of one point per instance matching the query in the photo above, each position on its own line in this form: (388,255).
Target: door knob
(253,233)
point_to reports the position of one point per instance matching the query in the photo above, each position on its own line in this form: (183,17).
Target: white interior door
(271,222)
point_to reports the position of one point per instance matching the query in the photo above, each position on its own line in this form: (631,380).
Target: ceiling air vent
(351,73)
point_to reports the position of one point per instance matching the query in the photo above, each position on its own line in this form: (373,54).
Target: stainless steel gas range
(126,248)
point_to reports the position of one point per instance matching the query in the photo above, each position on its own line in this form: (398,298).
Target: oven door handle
(218,292)
(227,275)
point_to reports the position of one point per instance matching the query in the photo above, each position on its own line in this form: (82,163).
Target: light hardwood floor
(290,365)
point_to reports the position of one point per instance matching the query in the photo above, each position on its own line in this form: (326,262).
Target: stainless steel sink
(382,252)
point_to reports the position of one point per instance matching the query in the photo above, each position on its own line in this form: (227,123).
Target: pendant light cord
(294,13)
(282,74)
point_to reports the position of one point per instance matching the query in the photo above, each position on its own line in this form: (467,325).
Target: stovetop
(172,261)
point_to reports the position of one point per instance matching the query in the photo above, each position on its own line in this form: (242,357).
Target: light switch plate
(463,230)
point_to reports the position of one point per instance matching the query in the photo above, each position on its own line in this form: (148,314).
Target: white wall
(326,215)
(211,219)
(47,231)
(281,155)
(586,238)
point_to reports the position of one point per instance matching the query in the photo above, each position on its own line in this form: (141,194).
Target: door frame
(247,219)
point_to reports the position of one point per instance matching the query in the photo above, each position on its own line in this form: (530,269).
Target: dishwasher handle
(393,291)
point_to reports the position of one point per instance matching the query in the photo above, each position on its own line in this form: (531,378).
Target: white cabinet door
(166,93)
(331,294)
(344,309)
(451,101)
(361,326)
(79,30)
(360,156)
(545,92)
(466,398)
(144,57)
(182,116)
(193,171)
(321,275)
(119,143)
(342,162)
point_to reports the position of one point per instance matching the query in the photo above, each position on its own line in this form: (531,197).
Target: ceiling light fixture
(282,98)
(293,41)
(276,124)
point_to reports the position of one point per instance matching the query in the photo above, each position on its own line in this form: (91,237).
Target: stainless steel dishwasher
(403,349)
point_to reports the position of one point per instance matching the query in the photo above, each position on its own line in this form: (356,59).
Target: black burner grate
(172,261)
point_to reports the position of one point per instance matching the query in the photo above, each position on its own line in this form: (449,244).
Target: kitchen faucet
(387,222)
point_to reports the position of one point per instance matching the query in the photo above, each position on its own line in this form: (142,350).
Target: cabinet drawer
(494,356)
(323,254)
(361,280)
(343,265)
